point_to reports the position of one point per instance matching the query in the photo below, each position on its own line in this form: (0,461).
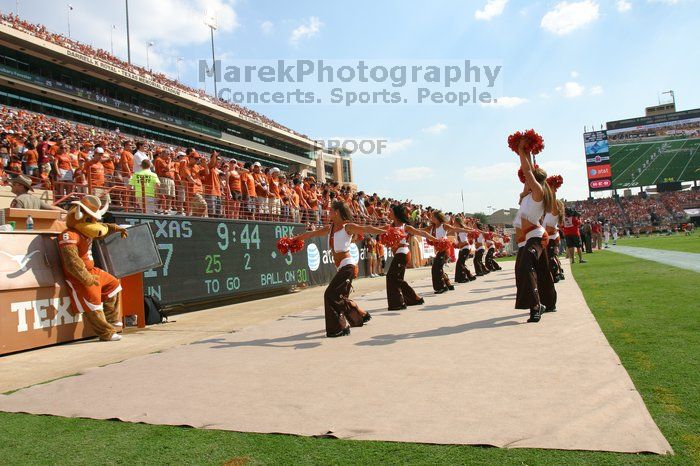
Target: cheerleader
(341,312)
(462,272)
(479,267)
(535,287)
(551,221)
(399,293)
(440,228)
(491,263)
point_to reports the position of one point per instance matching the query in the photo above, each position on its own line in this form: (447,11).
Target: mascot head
(85,217)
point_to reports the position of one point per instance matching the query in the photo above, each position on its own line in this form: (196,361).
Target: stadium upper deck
(51,74)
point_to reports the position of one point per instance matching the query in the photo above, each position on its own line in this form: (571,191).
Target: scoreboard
(208,259)
(598,169)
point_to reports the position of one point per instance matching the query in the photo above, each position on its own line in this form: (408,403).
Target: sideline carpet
(464,368)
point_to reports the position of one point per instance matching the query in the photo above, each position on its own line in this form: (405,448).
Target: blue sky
(565,65)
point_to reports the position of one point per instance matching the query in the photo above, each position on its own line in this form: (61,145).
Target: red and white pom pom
(534,142)
(287,244)
(442,244)
(555,182)
(392,237)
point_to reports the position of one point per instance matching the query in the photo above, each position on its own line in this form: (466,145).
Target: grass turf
(656,334)
(678,242)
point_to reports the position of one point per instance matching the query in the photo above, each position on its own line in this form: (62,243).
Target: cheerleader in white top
(535,287)
(551,222)
(342,312)
(489,236)
(480,245)
(440,228)
(462,272)
(399,293)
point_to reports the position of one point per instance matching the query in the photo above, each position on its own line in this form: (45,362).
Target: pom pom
(287,244)
(555,182)
(392,237)
(534,142)
(521,175)
(442,244)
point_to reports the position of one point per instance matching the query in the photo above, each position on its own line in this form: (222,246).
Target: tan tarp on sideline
(463,369)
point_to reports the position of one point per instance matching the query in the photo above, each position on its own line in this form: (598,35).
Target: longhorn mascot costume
(94,292)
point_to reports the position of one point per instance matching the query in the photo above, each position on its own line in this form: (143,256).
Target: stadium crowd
(637,211)
(73,159)
(41,32)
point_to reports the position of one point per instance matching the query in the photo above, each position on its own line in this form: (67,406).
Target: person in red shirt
(597,230)
(572,233)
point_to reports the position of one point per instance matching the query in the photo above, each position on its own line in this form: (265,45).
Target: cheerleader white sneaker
(115,337)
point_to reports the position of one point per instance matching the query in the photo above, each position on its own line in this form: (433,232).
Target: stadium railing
(190,200)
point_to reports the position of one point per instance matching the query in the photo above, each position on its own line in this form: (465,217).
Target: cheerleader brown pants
(479,268)
(461,270)
(553,257)
(398,292)
(339,308)
(533,278)
(491,263)
(440,280)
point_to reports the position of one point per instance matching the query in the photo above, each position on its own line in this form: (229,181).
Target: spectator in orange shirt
(248,184)
(165,169)
(95,172)
(212,184)
(303,206)
(275,197)
(31,160)
(233,178)
(73,153)
(62,165)
(180,184)
(261,191)
(126,161)
(189,172)
(312,200)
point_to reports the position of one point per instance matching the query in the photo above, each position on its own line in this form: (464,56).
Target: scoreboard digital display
(598,169)
(208,259)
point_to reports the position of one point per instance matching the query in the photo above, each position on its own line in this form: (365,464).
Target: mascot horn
(94,292)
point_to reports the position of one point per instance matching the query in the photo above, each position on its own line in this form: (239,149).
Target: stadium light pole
(210,20)
(111,38)
(128,39)
(70,8)
(148,63)
(673,97)
(177,65)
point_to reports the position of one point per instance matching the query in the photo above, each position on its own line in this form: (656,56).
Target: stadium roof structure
(61,56)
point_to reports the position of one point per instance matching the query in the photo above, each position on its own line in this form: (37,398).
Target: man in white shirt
(139,156)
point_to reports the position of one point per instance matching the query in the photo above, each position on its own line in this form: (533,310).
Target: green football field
(650,163)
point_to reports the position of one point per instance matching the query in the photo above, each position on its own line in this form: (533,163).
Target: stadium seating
(41,32)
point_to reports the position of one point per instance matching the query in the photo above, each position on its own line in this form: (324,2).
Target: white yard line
(683,260)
